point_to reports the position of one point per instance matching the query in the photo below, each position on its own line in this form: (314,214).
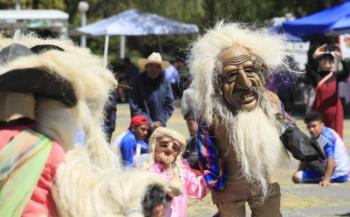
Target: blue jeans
(312,176)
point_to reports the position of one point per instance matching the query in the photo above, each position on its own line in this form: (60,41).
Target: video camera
(330,48)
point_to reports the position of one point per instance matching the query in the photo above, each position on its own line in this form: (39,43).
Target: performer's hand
(156,124)
(175,187)
(325,182)
(319,51)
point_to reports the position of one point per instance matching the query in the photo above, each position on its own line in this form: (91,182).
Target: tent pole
(122,46)
(105,53)
(159,44)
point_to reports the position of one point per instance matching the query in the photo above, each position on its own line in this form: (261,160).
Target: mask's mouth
(166,159)
(245,97)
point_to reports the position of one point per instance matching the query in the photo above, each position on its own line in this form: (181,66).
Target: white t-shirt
(333,147)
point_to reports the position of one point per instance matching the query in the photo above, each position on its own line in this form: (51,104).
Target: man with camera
(325,81)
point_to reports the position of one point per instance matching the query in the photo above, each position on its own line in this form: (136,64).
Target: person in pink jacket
(167,147)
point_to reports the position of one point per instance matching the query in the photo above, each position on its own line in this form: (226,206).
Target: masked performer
(49,90)
(239,139)
(166,160)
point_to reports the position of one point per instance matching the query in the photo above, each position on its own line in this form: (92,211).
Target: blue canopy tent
(289,37)
(343,25)
(134,22)
(319,23)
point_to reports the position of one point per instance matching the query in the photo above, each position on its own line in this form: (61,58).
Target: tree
(204,13)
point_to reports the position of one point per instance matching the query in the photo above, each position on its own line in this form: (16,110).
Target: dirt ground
(297,200)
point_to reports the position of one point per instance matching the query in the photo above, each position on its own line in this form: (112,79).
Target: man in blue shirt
(151,94)
(337,165)
(131,144)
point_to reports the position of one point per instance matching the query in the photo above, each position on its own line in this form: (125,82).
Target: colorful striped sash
(21,164)
(208,160)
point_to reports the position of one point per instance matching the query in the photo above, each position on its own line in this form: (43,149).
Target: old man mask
(241,77)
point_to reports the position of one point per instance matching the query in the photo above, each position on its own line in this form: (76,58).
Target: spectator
(172,75)
(337,161)
(127,74)
(167,147)
(130,70)
(187,111)
(151,94)
(110,116)
(131,144)
(325,81)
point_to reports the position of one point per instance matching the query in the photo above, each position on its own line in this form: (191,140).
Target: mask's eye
(249,70)
(176,147)
(229,77)
(163,144)
(232,76)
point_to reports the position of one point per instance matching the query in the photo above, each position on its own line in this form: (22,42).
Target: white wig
(204,65)
(187,107)
(162,131)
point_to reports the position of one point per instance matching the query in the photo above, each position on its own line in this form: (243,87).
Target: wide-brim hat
(154,58)
(33,80)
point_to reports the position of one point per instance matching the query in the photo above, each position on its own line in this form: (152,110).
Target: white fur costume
(90,182)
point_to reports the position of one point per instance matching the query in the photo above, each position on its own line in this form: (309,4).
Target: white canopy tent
(33,14)
(134,22)
(34,19)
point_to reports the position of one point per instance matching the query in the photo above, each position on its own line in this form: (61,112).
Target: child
(167,147)
(131,144)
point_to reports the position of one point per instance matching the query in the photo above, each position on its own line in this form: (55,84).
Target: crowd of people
(58,116)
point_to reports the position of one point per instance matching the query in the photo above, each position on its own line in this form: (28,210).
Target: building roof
(33,14)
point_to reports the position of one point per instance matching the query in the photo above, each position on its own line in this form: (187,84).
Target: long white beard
(255,135)
(163,158)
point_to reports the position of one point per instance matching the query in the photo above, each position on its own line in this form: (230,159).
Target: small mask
(166,151)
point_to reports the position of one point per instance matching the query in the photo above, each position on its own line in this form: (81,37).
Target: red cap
(138,120)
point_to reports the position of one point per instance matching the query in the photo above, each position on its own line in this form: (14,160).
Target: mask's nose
(242,80)
(168,150)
